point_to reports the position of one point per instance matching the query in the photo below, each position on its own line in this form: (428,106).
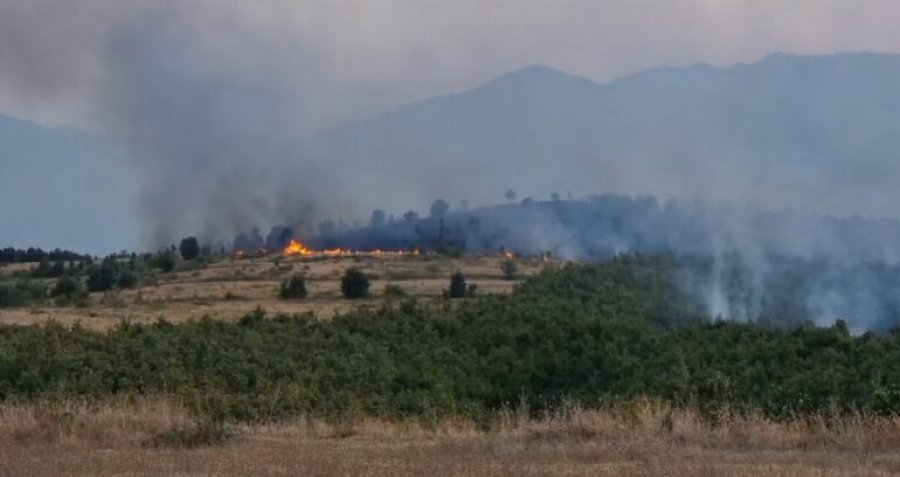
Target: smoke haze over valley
(214,118)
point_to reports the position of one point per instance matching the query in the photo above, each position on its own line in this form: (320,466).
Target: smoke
(210,100)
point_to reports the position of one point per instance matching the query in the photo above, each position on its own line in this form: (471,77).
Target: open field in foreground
(155,438)
(230,288)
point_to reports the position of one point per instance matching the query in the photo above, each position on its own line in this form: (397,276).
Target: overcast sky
(347,59)
(207,96)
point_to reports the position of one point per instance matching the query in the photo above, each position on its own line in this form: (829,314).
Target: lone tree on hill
(510,195)
(411,216)
(379,218)
(189,248)
(439,208)
(355,284)
(458,286)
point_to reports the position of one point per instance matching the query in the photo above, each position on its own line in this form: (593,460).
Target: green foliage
(293,288)
(355,284)
(101,278)
(127,279)
(164,261)
(583,334)
(458,286)
(66,287)
(21,293)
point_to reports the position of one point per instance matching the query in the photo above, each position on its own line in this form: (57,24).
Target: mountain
(819,132)
(63,188)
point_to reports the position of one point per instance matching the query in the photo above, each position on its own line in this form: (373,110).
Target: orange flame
(297,248)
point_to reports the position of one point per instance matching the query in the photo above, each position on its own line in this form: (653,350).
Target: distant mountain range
(820,132)
(810,131)
(63,188)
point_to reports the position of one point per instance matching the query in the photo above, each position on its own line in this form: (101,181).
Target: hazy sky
(209,97)
(345,59)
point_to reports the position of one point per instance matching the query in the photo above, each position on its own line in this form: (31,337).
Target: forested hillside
(587,334)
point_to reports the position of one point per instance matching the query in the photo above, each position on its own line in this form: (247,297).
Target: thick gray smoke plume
(209,103)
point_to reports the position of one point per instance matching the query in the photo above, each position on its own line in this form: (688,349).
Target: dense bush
(101,278)
(189,248)
(164,261)
(66,287)
(293,288)
(21,293)
(458,286)
(591,335)
(355,284)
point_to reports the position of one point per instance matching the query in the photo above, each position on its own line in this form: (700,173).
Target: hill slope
(806,131)
(70,188)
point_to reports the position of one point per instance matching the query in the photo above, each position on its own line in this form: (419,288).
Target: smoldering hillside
(220,109)
(779,266)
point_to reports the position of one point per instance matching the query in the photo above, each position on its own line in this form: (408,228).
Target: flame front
(297,248)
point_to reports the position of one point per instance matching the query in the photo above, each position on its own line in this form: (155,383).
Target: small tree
(439,208)
(509,269)
(127,279)
(293,288)
(458,286)
(355,284)
(165,261)
(411,216)
(379,218)
(66,287)
(101,278)
(189,248)
(510,195)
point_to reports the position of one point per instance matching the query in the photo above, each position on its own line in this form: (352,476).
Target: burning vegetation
(297,248)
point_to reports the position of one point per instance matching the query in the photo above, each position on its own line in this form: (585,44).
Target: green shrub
(127,279)
(458,285)
(21,293)
(293,288)
(189,248)
(355,284)
(66,287)
(101,278)
(164,261)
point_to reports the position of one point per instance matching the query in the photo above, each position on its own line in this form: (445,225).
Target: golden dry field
(230,288)
(130,439)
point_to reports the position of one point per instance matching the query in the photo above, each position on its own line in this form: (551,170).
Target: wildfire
(297,248)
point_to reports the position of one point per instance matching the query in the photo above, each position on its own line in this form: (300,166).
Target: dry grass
(646,439)
(229,289)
